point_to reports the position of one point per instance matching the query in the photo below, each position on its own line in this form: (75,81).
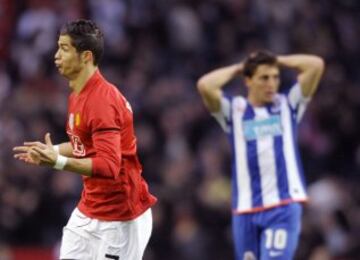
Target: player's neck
(79,82)
(255,102)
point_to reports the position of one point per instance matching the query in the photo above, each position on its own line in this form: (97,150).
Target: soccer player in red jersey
(113,218)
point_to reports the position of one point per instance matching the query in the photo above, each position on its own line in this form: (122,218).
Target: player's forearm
(301,62)
(310,70)
(80,166)
(97,166)
(65,149)
(217,79)
(211,84)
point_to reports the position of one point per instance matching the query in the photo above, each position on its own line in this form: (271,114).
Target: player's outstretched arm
(44,154)
(28,155)
(210,85)
(310,68)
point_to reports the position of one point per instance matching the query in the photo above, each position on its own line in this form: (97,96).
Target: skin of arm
(310,68)
(38,153)
(210,85)
(80,166)
(66,149)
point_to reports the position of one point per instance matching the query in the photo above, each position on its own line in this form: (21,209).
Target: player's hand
(37,153)
(26,154)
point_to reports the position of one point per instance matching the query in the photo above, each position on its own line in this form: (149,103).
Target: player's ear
(87,56)
(247,81)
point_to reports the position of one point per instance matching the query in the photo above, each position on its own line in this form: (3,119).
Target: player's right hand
(27,154)
(37,153)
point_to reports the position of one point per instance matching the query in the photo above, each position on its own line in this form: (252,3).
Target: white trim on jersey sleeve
(297,101)
(223,116)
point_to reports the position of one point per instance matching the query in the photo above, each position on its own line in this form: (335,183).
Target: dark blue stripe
(281,171)
(253,163)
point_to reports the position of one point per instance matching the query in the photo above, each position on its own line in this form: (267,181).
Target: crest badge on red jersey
(77,119)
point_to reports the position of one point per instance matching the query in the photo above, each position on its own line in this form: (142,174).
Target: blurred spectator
(7,14)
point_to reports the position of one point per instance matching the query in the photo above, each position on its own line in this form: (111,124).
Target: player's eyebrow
(60,44)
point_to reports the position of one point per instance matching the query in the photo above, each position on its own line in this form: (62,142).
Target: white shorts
(91,239)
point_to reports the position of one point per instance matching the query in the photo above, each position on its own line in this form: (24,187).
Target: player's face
(264,84)
(68,61)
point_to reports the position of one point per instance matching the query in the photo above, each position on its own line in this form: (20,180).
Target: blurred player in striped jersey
(267,180)
(113,218)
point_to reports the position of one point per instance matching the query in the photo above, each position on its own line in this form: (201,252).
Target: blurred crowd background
(155,52)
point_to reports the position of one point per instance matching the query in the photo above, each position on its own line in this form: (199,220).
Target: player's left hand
(37,152)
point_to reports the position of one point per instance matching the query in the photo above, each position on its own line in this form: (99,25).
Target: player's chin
(60,70)
(270,98)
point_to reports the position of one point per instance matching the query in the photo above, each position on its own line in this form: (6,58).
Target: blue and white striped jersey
(266,166)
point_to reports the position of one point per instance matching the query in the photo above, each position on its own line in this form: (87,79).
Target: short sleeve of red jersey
(104,121)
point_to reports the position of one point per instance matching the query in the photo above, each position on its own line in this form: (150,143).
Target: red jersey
(100,127)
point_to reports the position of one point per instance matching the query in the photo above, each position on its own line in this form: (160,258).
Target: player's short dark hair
(85,36)
(256,59)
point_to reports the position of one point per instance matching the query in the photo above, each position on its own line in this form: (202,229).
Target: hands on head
(37,153)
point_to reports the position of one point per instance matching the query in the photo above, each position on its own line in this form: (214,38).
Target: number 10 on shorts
(275,239)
